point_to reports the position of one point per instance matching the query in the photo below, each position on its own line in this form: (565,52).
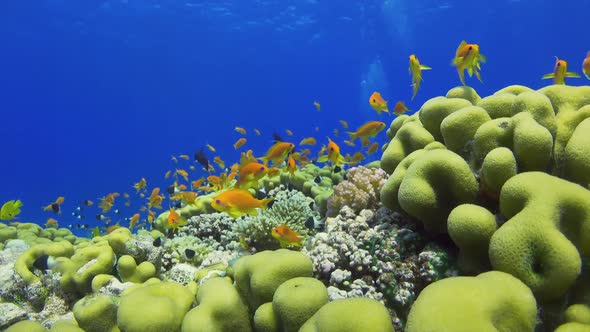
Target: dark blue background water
(97,94)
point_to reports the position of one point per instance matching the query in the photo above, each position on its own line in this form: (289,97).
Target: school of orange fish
(232,183)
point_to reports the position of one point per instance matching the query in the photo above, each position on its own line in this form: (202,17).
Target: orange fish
(317,106)
(467,57)
(155,199)
(278,152)
(288,132)
(187,197)
(349,143)
(237,202)
(107,202)
(560,72)
(55,206)
(51,223)
(184,156)
(416,71)
(357,158)
(140,185)
(378,103)
(167,175)
(286,236)
(291,165)
(308,141)
(210,147)
(110,229)
(219,162)
(373,148)
(400,108)
(586,66)
(151,216)
(246,157)
(182,173)
(333,155)
(369,129)
(175,220)
(249,174)
(240,130)
(197,183)
(133,221)
(344,124)
(238,144)
(336,132)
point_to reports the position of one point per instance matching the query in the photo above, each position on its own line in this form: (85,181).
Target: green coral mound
(96,313)
(433,185)
(492,301)
(471,228)
(350,315)
(547,231)
(220,309)
(155,307)
(130,271)
(297,300)
(257,277)
(26,326)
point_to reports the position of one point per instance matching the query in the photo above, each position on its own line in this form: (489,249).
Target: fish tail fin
(266,202)
(352,135)
(461,76)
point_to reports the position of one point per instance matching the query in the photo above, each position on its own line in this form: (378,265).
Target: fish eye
(373,100)
(217,201)
(470,47)
(331,149)
(558,64)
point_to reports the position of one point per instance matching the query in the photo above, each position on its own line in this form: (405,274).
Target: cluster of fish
(232,183)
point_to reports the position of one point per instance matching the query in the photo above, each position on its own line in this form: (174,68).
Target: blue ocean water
(96,94)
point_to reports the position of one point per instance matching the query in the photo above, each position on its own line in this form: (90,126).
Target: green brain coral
(547,231)
(492,301)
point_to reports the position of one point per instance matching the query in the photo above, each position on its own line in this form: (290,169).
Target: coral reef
(359,191)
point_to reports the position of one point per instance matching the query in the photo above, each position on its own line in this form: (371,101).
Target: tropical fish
(11,209)
(126,195)
(210,147)
(237,202)
(277,138)
(467,57)
(201,158)
(184,156)
(308,141)
(560,72)
(288,132)
(249,174)
(373,148)
(378,103)
(333,155)
(240,130)
(357,157)
(182,173)
(219,162)
(112,228)
(140,185)
(349,143)
(88,202)
(586,66)
(55,206)
(133,221)
(107,202)
(167,175)
(291,165)
(369,129)
(278,152)
(155,199)
(187,197)
(286,236)
(416,71)
(400,108)
(51,223)
(173,158)
(257,132)
(151,216)
(238,144)
(344,124)
(317,106)
(197,183)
